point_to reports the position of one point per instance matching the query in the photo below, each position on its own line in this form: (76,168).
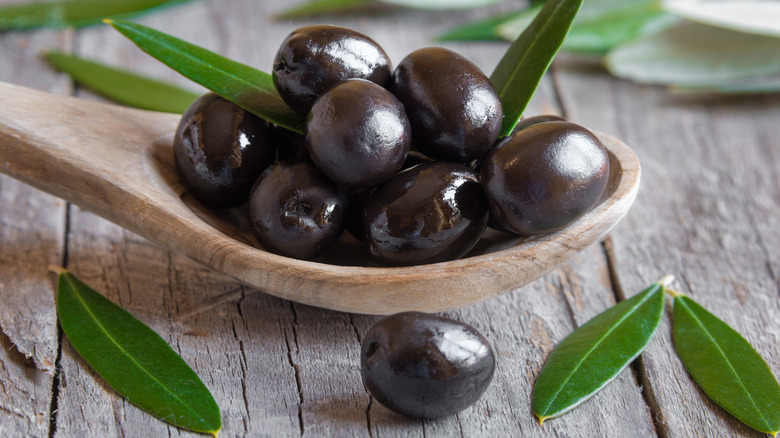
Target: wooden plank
(707,213)
(32,228)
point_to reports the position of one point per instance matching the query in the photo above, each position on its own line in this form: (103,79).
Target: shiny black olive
(430,213)
(219,150)
(358,134)
(295,211)
(454,109)
(544,177)
(314,58)
(424,365)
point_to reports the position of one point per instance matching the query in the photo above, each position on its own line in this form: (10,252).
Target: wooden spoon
(118,163)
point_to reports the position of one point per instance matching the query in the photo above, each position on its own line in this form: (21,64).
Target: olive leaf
(726,366)
(695,54)
(751,85)
(74,12)
(522,67)
(488,29)
(595,353)
(133,359)
(123,86)
(750,16)
(251,89)
(318,7)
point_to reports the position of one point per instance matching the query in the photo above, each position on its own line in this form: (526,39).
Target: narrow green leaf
(695,54)
(123,86)
(726,366)
(761,17)
(245,86)
(522,67)
(488,29)
(320,7)
(74,12)
(601,25)
(133,359)
(594,354)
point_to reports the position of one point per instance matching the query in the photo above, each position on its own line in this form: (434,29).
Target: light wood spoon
(118,163)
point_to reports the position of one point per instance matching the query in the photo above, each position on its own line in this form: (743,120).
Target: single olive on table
(426,366)
(220,150)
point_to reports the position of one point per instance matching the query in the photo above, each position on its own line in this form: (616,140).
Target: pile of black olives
(408,160)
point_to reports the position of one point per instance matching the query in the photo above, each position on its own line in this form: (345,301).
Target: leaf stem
(59,270)
(674,293)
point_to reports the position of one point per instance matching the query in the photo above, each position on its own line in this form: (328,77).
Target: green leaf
(726,366)
(123,86)
(319,7)
(74,13)
(251,89)
(695,54)
(522,67)
(594,354)
(487,29)
(603,24)
(133,359)
(750,16)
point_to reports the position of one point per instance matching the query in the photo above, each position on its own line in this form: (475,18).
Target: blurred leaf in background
(319,7)
(75,13)
(708,46)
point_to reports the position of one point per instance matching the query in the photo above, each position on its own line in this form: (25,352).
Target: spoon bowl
(118,163)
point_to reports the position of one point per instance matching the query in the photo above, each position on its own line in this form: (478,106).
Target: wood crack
(295,366)
(637,366)
(244,362)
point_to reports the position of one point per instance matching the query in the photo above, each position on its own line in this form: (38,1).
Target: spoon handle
(88,153)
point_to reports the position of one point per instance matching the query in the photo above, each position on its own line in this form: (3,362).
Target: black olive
(430,213)
(295,211)
(219,150)
(530,121)
(544,177)
(453,107)
(314,58)
(358,134)
(424,365)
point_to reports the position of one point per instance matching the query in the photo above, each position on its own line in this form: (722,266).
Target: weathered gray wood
(707,213)
(31,223)
(32,228)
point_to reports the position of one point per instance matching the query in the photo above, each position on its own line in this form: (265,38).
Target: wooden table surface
(708,212)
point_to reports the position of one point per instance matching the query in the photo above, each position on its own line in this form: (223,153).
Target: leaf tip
(59,270)
(541,419)
(666,280)
(108,21)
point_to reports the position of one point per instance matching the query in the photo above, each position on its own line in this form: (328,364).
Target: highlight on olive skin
(220,150)
(425,366)
(314,58)
(453,107)
(544,177)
